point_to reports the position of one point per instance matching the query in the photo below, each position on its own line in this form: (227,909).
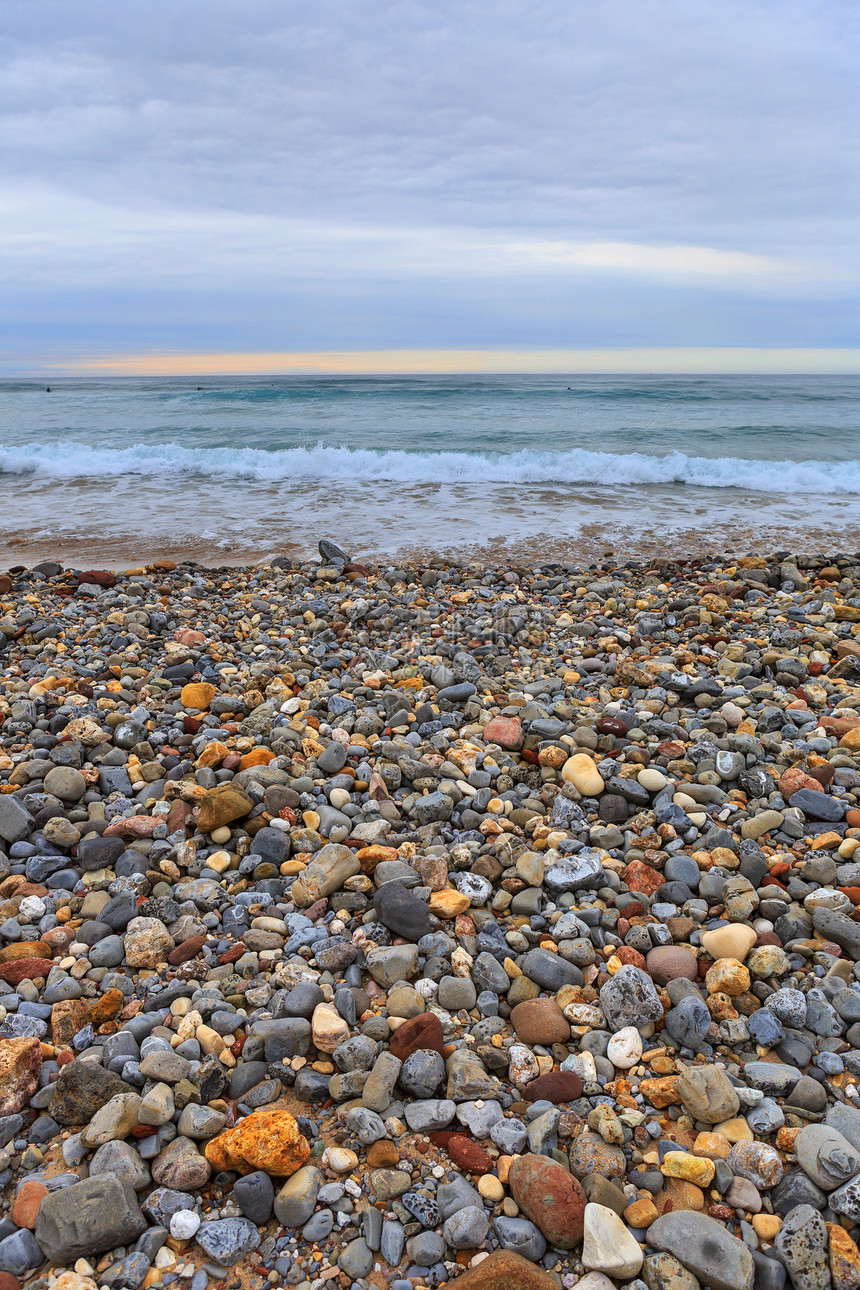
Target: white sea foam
(323,462)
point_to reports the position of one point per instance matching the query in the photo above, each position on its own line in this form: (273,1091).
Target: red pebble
(230,956)
(639,876)
(98,577)
(555,1087)
(611,726)
(467,1155)
(442,1137)
(423,1031)
(188,949)
(627,954)
(28,1198)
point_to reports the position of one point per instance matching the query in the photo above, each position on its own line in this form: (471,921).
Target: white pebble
(625,1048)
(184,1224)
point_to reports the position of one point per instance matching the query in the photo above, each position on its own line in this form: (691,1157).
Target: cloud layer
(669,172)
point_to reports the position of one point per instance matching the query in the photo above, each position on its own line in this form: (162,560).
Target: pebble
(583,898)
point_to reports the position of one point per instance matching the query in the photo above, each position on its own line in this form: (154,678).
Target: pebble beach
(393,925)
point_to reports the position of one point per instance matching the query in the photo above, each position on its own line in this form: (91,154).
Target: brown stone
(67,1018)
(25,970)
(98,577)
(382,1154)
(28,1198)
(178,816)
(639,876)
(504,1270)
(844,1258)
(555,1087)
(25,950)
(540,1021)
(106,1007)
(551,1197)
(467,1155)
(268,1139)
(20,1067)
(627,954)
(794,779)
(222,805)
(133,826)
(186,950)
(423,1031)
(669,962)
(507,732)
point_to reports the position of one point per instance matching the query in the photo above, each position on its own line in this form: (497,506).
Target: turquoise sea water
(242,466)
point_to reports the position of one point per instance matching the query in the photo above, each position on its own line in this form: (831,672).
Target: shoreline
(595,543)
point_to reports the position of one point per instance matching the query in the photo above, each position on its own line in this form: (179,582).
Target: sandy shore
(594,543)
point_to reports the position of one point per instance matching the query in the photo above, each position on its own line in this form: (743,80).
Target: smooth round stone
(608,1244)
(652,779)
(466,1229)
(625,1048)
(540,1021)
(356,1259)
(184,1224)
(491,1188)
(340,1159)
(581,771)
(668,962)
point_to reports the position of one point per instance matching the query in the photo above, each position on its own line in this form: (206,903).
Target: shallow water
(525,465)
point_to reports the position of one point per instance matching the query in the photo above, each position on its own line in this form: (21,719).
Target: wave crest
(70,461)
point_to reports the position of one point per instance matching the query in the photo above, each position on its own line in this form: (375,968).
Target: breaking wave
(328,463)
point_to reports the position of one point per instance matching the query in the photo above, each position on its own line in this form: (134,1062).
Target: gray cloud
(206,141)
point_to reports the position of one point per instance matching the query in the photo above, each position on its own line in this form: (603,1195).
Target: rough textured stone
(96,1214)
(551,1197)
(629,998)
(20,1065)
(268,1140)
(503,1268)
(707,1094)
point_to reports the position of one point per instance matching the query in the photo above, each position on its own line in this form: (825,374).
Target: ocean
(231,469)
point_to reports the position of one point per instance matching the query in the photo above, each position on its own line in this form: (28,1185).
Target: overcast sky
(235,176)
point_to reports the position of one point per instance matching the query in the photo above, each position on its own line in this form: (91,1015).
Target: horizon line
(614,360)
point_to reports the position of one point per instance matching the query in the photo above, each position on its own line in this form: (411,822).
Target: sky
(264,185)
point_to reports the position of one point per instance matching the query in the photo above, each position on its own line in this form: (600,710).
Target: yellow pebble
(736,1130)
(490,1188)
(695,1169)
(766,1226)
